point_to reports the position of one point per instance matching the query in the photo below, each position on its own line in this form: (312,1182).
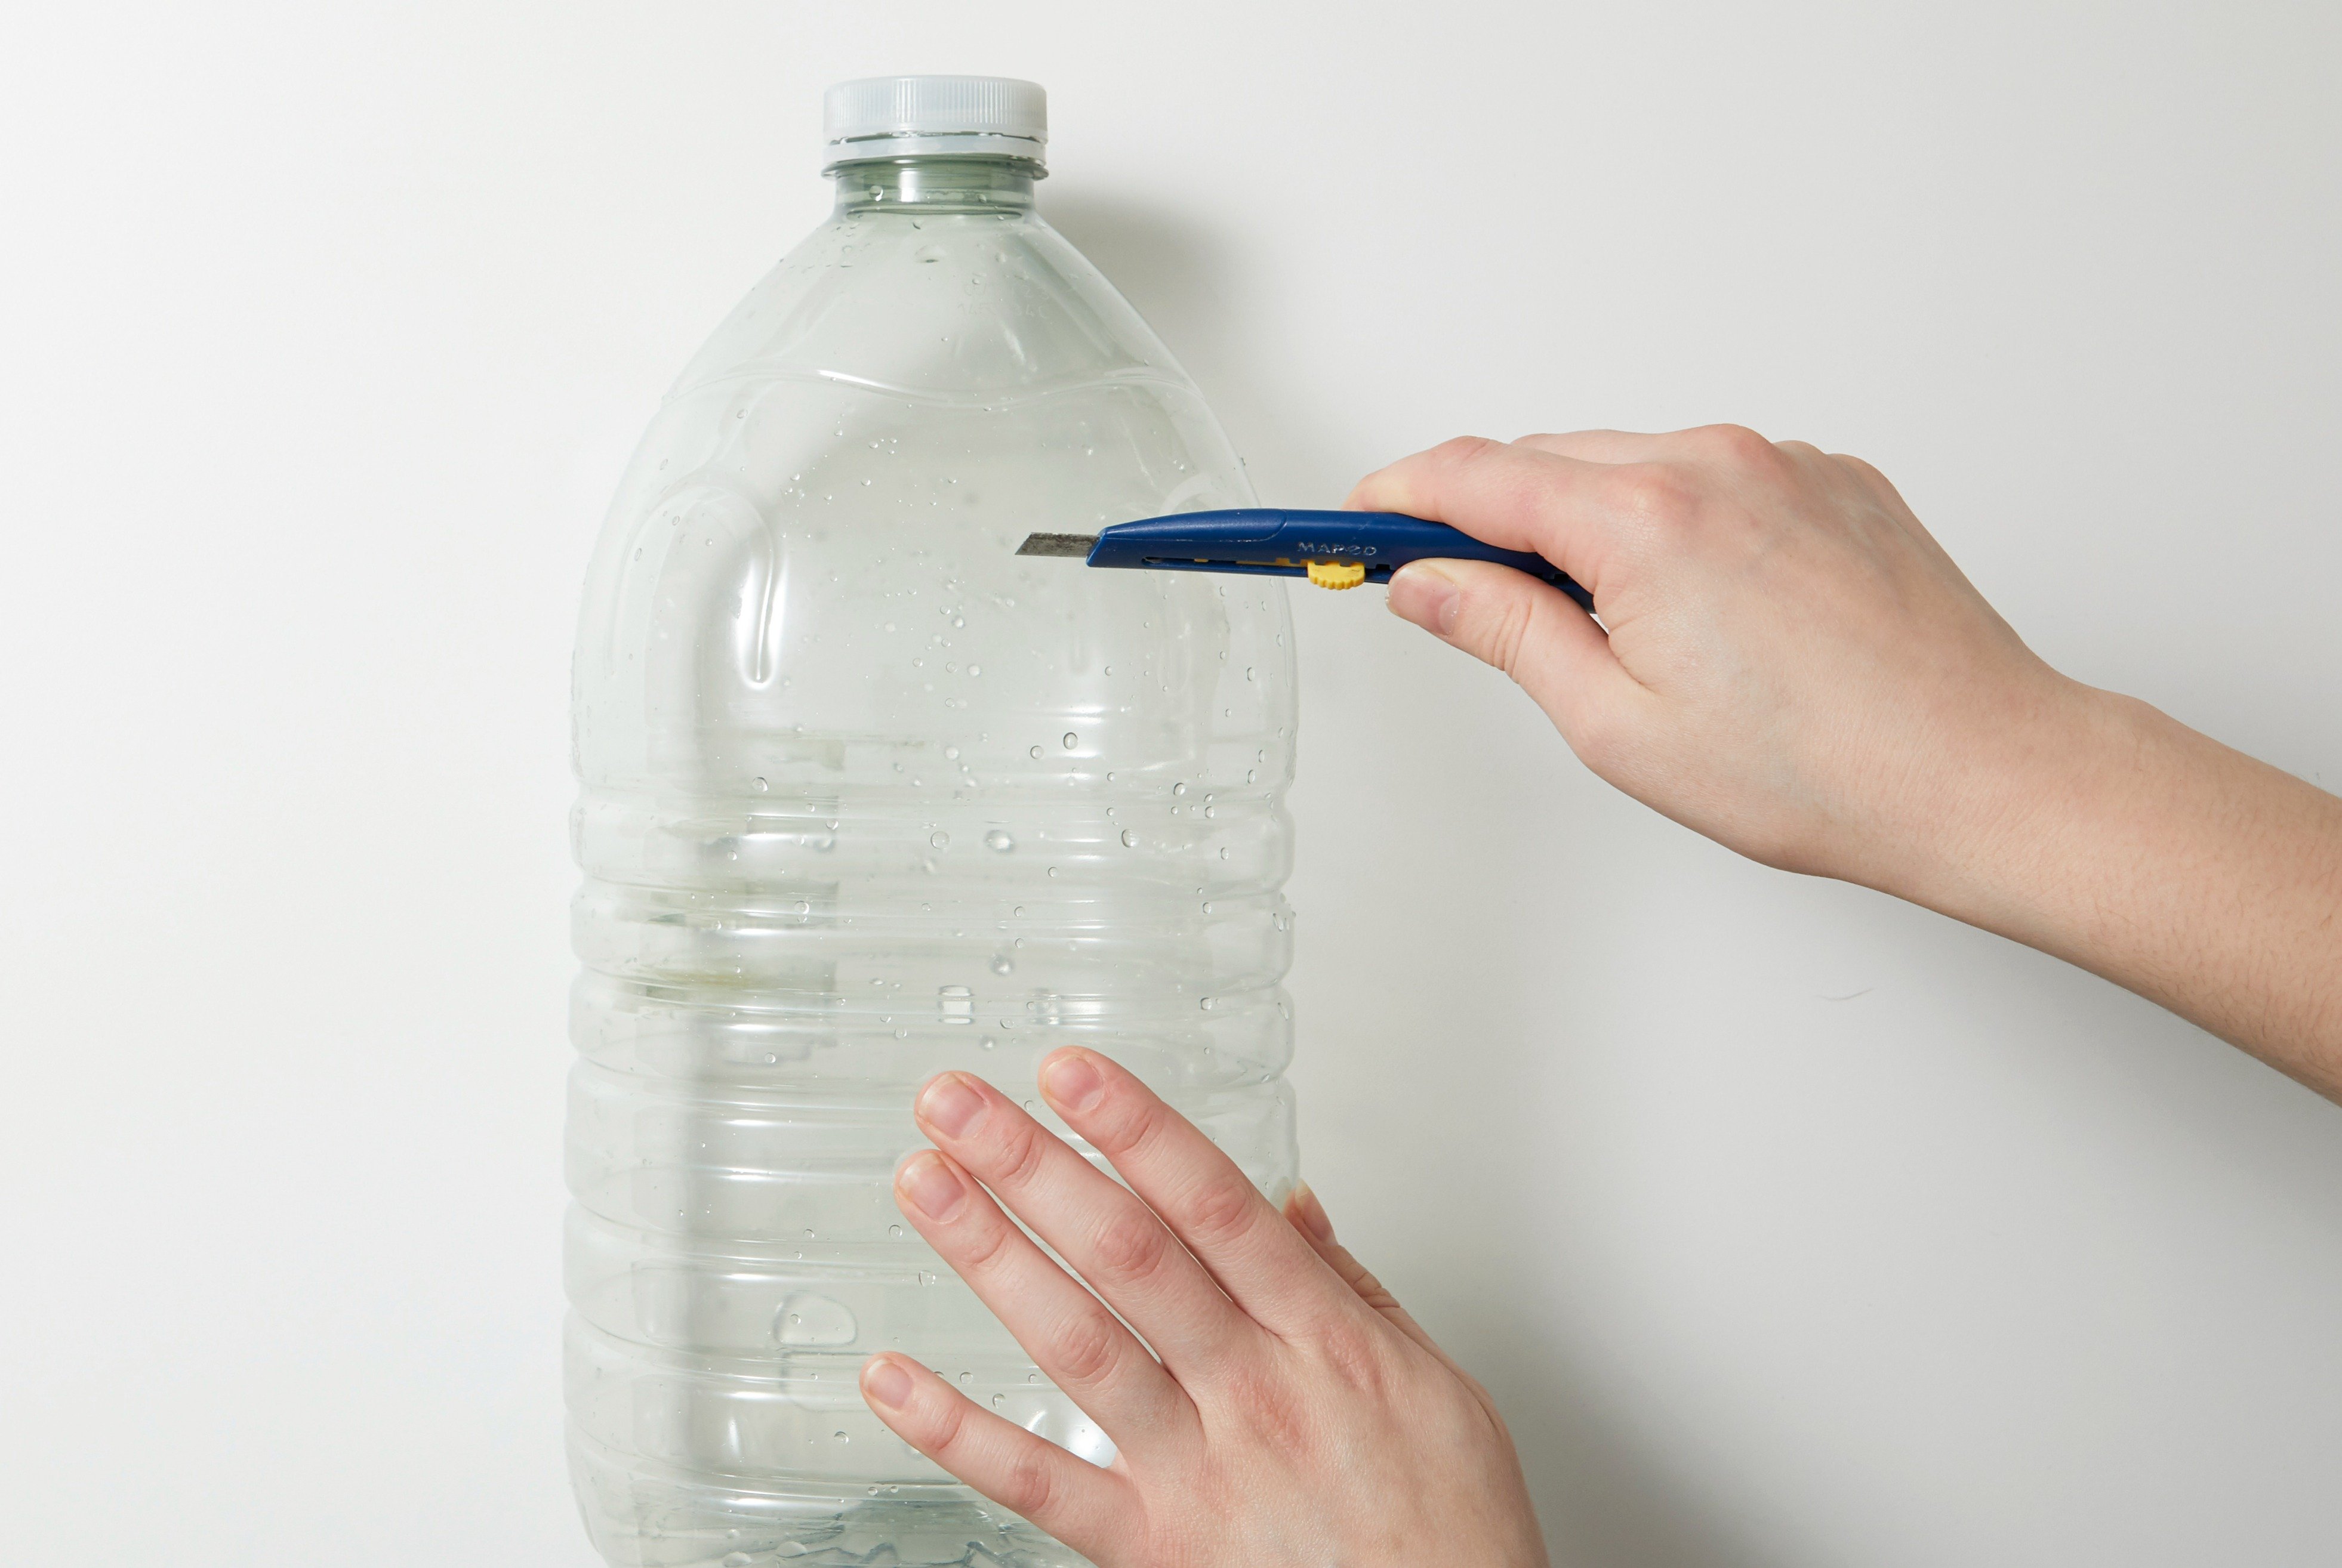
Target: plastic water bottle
(867,796)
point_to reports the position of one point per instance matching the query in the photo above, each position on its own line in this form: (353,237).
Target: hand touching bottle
(1288,1412)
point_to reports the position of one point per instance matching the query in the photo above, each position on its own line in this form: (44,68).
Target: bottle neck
(937,185)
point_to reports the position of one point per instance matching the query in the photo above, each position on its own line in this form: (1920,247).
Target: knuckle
(986,1250)
(1508,635)
(1355,1353)
(1461,449)
(1123,1119)
(1738,444)
(1022,1151)
(1131,1247)
(1864,474)
(947,1430)
(1086,1350)
(1276,1420)
(1656,492)
(1221,1209)
(1029,1483)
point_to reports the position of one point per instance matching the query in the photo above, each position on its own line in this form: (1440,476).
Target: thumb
(1528,629)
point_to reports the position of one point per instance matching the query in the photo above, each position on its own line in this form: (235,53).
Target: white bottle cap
(964,116)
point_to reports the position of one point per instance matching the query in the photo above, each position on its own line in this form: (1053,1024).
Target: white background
(1791,1226)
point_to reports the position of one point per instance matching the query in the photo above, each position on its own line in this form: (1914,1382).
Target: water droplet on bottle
(807,1319)
(976,669)
(804,907)
(986,1043)
(841,1437)
(738,1560)
(1003,965)
(760,786)
(895,1232)
(1129,839)
(1179,789)
(1208,1004)
(1072,740)
(999,1400)
(939,839)
(1034,753)
(951,753)
(998,839)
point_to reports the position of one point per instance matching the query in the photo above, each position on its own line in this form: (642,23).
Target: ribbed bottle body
(867,796)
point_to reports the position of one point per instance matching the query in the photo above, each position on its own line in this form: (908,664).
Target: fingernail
(1423,594)
(887,1382)
(1072,1082)
(933,1187)
(951,1105)
(1312,1213)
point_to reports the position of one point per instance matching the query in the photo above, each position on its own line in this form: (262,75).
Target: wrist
(2103,832)
(2024,805)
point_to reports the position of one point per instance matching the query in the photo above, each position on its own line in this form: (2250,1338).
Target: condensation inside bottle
(867,796)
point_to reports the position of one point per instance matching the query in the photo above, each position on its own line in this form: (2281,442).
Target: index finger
(1515,496)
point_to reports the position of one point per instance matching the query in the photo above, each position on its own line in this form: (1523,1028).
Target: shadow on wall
(1605,1499)
(1172,271)
(1191,284)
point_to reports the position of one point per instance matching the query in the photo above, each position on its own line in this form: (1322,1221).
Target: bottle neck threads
(937,185)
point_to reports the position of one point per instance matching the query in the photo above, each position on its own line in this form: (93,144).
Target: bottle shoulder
(809,575)
(948,307)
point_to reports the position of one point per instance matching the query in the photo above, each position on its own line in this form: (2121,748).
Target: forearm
(2115,838)
(1787,662)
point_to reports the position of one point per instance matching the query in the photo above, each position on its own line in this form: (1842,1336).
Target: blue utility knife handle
(1264,539)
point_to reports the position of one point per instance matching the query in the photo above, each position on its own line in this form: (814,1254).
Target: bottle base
(641,1515)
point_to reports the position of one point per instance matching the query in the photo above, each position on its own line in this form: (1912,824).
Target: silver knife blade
(1077,544)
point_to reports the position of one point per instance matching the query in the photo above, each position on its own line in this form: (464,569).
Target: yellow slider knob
(1337,573)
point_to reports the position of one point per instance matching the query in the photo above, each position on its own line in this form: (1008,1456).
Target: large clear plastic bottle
(867,796)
